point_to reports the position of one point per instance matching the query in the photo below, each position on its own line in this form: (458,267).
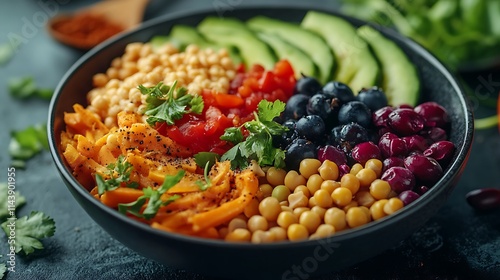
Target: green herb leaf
(24,144)
(164,104)
(259,143)
(6,53)
(29,230)
(3,269)
(9,203)
(205,185)
(25,87)
(153,198)
(202,158)
(118,173)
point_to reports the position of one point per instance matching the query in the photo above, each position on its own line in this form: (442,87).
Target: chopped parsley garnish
(118,173)
(29,230)
(165,104)
(153,198)
(258,145)
(25,87)
(25,144)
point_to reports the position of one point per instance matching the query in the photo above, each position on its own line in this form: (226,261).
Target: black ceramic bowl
(287,260)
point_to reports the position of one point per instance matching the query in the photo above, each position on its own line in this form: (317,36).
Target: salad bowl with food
(268,143)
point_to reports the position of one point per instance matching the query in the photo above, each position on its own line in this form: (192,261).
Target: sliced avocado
(308,42)
(233,32)
(356,66)
(400,80)
(301,62)
(182,35)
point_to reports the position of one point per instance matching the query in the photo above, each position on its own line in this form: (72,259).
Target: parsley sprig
(165,104)
(258,145)
(29,230)
(153,198)
(118,173)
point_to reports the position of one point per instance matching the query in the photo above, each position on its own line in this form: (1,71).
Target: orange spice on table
(86,29)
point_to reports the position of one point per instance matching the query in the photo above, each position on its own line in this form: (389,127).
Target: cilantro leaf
(233,135)
(258,144)
(3,269)
(153,198)
(25,87)
(118,173)
(25,144)
(7,203)
(164,104)
(202,158)
(29,230)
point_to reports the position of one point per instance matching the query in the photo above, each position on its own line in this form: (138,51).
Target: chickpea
(257,222)
(356,217)
(393,205)
(285,219)
(239,235)
(323,199)
(366,176)
(356,168)
(375,165)
(270,208)
(350,182)
(329,170)
(275,176)
(297,232)
(294,179)
(314,183)
(281,193)
(342,196)
(335,217)
(309,166)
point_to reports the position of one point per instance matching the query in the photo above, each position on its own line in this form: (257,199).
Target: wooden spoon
(86,28)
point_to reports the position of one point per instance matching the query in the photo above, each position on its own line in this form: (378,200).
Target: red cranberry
(391,162)
(484,199)
(365,151)
(421,189)
(425,169)
(441,151)
(391,145)
(380,116)
(415,143)
(344,169)
(434,114)
(405,122)
(434,134)
(408,197)
(400,179)
(333,154)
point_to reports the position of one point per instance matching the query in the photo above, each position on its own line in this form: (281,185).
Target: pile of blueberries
(330,122)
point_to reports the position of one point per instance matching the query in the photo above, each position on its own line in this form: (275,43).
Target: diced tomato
(247,89)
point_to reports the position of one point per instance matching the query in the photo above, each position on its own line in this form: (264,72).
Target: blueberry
(311,127)
(373,97)
(307,85)
(355,111)
(298,150)
(282,141)
(353,134)
(340,91)
(296,107)
(319,104)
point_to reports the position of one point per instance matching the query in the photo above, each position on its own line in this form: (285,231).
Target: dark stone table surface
(457,243)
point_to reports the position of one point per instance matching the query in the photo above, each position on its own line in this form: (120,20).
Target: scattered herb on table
(118,173)
(26,87)
(165,104)
(258,145)
(25,144)
(6,53)
(5,201)
(3,269)
(153,198)
(29,230)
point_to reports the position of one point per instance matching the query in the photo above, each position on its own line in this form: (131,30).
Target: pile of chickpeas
(141,64)
(313,203)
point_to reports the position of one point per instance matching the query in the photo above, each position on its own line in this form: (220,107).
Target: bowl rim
(439,187)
